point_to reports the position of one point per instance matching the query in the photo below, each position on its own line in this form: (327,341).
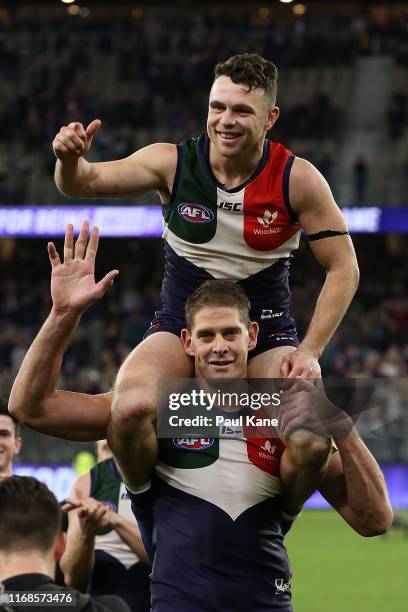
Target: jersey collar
(204,154)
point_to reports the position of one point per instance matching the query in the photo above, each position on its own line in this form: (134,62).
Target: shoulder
(307,186)
(305,177)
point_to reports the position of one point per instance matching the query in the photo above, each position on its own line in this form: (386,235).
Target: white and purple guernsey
(212,518)
(245,234)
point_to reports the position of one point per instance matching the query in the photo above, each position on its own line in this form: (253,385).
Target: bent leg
(132,429)
(304,462)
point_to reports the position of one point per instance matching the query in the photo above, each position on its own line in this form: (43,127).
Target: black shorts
(275,328)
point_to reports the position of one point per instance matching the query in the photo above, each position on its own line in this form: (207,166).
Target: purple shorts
(275,329)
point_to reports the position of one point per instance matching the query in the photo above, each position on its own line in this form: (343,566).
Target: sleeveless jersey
(217,526)
(244,234)
(106,487)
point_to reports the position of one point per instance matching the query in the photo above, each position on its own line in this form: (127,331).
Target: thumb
(285,366)
(107,281)
(92,128)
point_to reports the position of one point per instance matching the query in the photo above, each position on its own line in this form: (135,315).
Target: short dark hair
(4,411)
(251,70)
(218,293)
(30,516)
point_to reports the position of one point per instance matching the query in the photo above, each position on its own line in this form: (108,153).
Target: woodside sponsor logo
(266,221)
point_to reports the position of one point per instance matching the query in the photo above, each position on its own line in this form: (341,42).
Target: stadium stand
(142,71)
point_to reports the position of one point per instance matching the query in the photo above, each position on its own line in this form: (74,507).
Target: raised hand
(73,286)
(73,140)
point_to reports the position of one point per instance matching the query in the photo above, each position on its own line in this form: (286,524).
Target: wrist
(311,348)
(88,536)
(115,520)
(65,316)
(67,163)
(345,433)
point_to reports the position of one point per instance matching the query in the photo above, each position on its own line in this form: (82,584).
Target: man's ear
(17,444)
(272,117)
(59,546)
(253,330)
(186,340)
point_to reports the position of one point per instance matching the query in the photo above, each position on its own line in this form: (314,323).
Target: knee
(132,404)
(309,449)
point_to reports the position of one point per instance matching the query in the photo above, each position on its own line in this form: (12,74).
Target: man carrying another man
(216,509)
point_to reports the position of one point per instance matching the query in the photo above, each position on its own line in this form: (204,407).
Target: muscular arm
(150,168)
(317,211)
(34,399)
(36,402)
(355,487)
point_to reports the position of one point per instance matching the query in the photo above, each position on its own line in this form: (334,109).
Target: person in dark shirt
(31,542)
(10,440)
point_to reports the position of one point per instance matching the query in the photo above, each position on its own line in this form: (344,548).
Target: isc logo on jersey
(193,443)
(195,213)
(232,206)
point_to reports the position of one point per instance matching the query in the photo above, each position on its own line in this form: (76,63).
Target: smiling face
(238,119)
(9,445)
(219,342)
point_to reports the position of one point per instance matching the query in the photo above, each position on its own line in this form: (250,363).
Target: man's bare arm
(351,482)
(355,487)
(36,402)
(129,534)
(317,211)
(34,399)
(78,560)
(150,168)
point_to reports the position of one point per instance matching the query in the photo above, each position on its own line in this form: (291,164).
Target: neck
(6,471)
(233,171)
(25,562)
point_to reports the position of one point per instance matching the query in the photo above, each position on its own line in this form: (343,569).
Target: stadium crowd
(133,69)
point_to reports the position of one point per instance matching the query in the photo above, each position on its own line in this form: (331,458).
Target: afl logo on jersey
(193,443)
(195,213)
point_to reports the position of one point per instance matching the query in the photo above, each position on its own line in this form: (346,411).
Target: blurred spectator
(31,541)
(10,440)
(104,552)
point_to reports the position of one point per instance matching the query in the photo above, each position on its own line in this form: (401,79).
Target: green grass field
(336,570)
